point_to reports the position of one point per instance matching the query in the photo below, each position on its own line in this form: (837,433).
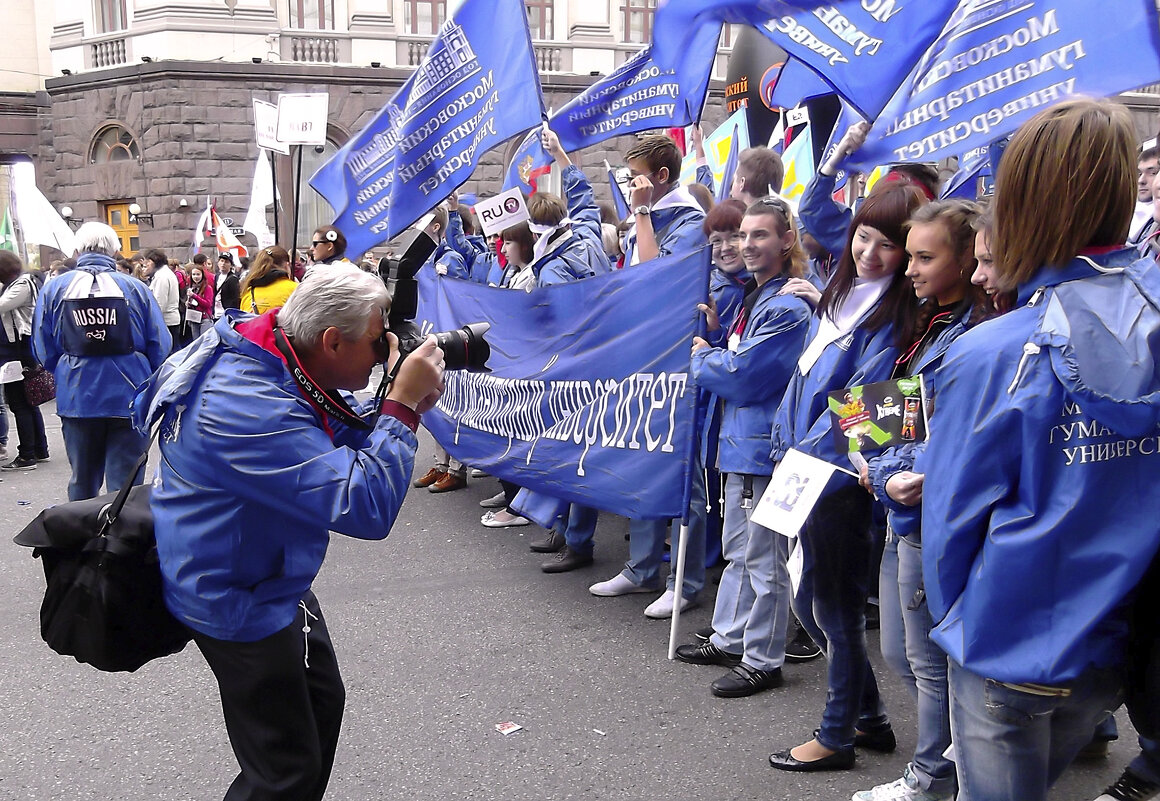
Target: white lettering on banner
(1033,31)
(984,122)
(941,107)
(1084,428)
(662,111)
(634,413)
(847,31)
(881,10)
(86,317)
(802,35)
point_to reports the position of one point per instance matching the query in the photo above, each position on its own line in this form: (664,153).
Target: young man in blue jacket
(748,377)
(261,459)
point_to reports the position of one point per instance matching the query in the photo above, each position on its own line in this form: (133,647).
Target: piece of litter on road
(601,733)
(24,503)
(507,727)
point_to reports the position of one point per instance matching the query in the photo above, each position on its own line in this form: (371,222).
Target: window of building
(540,18)
(312,15)
(113,143)
(638,16)
(424,16)
(111,15)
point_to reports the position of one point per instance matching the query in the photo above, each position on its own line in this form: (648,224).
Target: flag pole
(274,181)
(297,192)
(687,495)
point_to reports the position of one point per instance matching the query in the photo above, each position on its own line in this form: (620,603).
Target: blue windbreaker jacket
(728,293)
(826,221)
(1040,512)
(752,379)
(905,521)
(251,484)
(99,386)
(803,420)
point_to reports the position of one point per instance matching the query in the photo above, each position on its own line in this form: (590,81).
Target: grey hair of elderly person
(96,237)
(343,297)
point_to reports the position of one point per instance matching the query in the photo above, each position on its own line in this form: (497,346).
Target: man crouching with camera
(261,458)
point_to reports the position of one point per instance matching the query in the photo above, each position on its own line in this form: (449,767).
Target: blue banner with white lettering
(640,96)
(1000,63)
(589,398)
(863,48)
(477,86)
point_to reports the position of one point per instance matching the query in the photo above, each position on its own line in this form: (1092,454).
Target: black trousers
(283,699)
(31,441)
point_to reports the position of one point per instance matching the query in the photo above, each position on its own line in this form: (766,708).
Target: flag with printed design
(799,165)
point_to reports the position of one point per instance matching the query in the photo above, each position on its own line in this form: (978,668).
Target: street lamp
(66,212)
(136,216)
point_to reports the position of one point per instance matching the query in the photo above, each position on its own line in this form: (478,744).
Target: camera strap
(336,407)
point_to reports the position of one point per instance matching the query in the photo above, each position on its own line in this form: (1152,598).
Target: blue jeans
(1010,743)
(891,599)
(580,528)
(831,606)
(646,544)
(752,608)
(928,666)
(100,450)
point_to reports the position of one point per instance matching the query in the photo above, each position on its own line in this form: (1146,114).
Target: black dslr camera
(463,349)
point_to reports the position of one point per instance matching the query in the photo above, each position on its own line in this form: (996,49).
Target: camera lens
(465,348)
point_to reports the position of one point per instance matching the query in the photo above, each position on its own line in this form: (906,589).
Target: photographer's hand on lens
(419,381)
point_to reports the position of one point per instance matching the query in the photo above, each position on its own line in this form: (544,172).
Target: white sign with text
(502,211)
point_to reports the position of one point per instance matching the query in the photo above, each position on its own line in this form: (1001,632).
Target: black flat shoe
(839,760)
(882,741)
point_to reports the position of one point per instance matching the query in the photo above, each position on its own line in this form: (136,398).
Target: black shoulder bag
(103,603)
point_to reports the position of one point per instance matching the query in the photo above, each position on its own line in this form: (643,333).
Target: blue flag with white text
(589,398)
(796,83)
(1000,63)
(473,90)
(863,48)
(640,96)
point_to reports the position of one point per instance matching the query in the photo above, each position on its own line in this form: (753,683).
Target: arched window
(113,143)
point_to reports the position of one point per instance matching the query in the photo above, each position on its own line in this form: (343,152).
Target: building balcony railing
(315,47)
(550,56)
(108,53)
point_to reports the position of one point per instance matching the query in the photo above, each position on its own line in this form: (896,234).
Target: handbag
(39,385)
(103,601)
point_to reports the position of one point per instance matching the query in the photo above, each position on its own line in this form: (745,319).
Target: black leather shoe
(703,634)
(553,542)
(707,654)
(839,760)
(566,559)
(744,680)
(882,741)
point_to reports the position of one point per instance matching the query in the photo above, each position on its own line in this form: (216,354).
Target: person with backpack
(101,334)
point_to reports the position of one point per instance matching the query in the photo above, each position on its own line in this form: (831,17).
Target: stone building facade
(193,138)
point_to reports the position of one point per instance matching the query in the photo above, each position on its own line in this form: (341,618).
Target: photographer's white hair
(96,237)
(342,297)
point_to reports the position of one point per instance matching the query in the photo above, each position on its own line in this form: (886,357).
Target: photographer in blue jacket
(261,458)
(1039,518)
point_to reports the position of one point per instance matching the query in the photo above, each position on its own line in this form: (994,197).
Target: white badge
(734,342)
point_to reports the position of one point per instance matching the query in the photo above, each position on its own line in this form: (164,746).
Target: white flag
(38,220)
(792,493)
(261,196)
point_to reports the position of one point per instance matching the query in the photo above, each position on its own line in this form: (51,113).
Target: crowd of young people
(1009,583)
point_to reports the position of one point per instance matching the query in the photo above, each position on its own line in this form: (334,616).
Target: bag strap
(113,510)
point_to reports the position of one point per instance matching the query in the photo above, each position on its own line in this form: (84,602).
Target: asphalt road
(443,631)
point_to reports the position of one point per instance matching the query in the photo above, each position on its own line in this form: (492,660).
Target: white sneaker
(497,501)
(477,473)
(662,607)
(904,789)
(619,585)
